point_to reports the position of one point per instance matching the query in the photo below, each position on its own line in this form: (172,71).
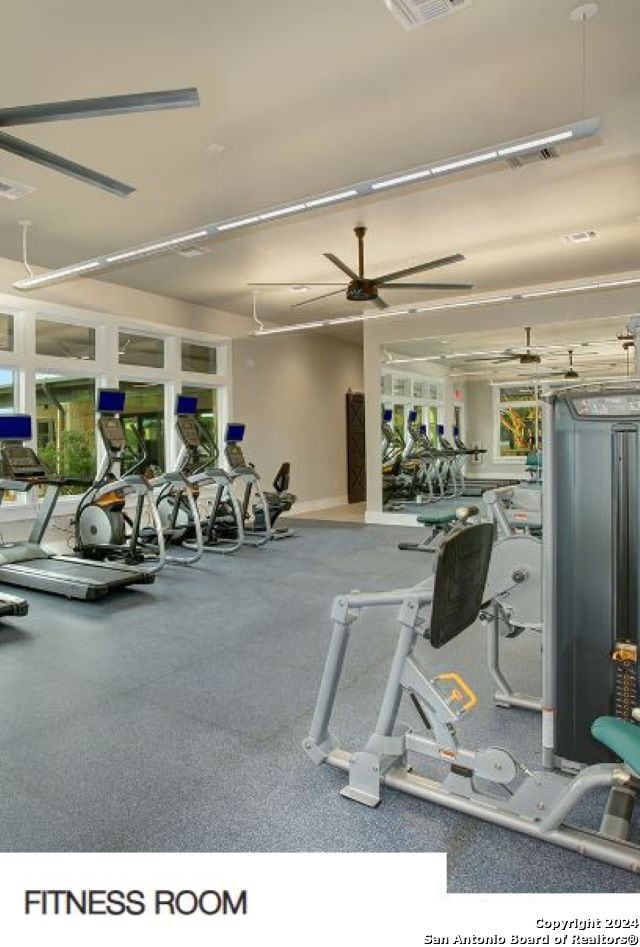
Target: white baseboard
(326,503)
(392,519)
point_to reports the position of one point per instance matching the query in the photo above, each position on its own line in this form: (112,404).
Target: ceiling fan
(570,372)
(85,108)
(526,357)
(361,288)
(628,341)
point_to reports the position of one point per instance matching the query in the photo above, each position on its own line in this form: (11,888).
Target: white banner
(285,899)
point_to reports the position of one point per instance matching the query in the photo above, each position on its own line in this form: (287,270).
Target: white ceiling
(306,97)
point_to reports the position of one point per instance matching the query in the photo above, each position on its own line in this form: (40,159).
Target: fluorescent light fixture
(483,302)
(330,198)
(64,273)
(536,143)
(465,162)
(541,292)
(281,211)
(347,319)
(403,179)
(579,289)
(152,247)
(238,223)
(619,282)
(280,329)
(577,130)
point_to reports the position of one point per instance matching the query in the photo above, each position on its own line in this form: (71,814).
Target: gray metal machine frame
(540,803)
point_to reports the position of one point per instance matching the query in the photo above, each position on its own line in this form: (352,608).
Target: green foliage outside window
(75,457)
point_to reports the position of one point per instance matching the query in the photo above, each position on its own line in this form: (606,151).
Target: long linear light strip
(67,271)
(572,132)
(462,304)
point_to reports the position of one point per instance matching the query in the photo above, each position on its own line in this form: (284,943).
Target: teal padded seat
(432,518)
(621,737)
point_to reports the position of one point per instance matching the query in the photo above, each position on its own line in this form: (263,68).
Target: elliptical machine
(103,528)
(222,530)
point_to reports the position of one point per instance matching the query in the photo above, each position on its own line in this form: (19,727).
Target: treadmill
(28,563)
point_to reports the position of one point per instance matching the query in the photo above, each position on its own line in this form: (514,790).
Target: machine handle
(465,690)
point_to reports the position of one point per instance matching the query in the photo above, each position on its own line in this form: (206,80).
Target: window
(199,358)
(65,426)
(6,391)
(6,332)
(385,384)
(143,419)
(401,386)
(398,419)
(207,408)
(140,350)
(7,406)
(432,423)
(518,419)
(63,340)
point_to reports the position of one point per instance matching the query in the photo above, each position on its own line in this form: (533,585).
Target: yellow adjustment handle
(464,687)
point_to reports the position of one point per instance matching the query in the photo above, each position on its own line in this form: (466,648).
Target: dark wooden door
(356,454)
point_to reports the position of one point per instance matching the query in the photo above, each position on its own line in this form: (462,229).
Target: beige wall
(290,391)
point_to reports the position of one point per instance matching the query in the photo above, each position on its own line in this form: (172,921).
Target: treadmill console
(233,436)
(188,431)
(112,431)
(22,463)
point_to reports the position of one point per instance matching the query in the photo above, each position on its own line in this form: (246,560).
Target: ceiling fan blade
(409,271)
(50,160)
(315,299)
(428,285)
(380,303)
(102,106)
(297,284)
(341,266)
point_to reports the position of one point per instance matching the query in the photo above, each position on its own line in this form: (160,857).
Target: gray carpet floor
(170,718)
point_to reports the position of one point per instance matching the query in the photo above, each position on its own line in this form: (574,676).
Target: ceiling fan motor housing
(362,290)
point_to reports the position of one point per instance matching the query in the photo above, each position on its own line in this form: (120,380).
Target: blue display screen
(235,433)
(412,416)
(388,414)
(456,431)
(15,427)
(186,404)
(423,428)
(441,429)
(110,401)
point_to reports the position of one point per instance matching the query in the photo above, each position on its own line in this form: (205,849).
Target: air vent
(533,157)
(13,190)
(581,236)
(194,251)
(414,13)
